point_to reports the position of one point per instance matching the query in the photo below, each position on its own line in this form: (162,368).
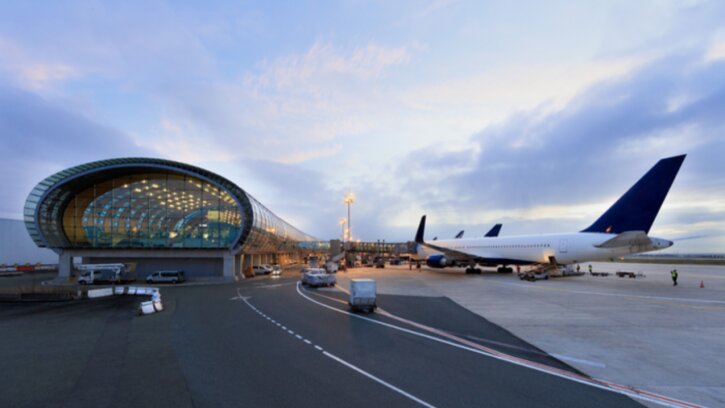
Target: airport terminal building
(157,214)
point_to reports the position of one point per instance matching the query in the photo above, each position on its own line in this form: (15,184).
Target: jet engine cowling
(437,261)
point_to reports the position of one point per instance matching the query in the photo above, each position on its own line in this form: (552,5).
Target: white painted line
(284,327)
(278,324)
(378,380)
(359,370)
(604,385)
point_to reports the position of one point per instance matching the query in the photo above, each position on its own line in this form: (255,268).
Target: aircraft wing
(449,253)
(626,239)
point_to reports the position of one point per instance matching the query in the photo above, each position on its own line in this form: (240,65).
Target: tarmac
(642,332)
(267,342)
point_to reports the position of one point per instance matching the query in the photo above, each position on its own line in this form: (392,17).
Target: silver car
(261,270)
(315,277)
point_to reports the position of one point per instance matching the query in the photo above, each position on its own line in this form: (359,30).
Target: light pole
(342,225)
(349,199)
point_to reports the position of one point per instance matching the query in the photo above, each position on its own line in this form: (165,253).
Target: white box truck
(362,295)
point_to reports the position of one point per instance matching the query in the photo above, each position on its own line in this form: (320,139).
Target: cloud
(324,60)
(293,108)
(39,138)
(563,168)
(32,72)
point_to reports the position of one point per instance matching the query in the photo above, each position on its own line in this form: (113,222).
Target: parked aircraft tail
(494,231)
(637,208)
(421,231)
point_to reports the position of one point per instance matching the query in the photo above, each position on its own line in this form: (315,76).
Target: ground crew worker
(578,269)
(590,269)
(674,277)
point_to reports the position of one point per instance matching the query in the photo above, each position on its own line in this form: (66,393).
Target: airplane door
(562,246)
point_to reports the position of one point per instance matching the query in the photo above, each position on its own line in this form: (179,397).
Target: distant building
(16,247)
(158,214)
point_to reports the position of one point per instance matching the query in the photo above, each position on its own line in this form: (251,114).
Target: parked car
(166,277)
(262,269)
(315,277)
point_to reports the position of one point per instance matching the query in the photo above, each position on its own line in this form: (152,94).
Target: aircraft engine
(437,261)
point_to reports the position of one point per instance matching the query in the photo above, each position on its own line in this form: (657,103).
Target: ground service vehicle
(362,295)
(94,276)
(276,269)
(103,273)
(166,277)
(314,277)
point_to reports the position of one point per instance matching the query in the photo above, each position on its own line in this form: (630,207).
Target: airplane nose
(670,243)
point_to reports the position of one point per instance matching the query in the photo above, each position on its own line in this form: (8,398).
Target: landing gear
(473,269)
(504,269)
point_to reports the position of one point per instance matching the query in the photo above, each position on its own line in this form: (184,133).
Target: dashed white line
(351,366)
(378,380)
(604,385)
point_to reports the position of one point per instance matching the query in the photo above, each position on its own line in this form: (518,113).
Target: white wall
(17,247)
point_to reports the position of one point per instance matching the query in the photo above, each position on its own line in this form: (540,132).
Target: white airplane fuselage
(566,248)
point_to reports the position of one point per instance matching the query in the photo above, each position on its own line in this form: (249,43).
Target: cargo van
(166,277)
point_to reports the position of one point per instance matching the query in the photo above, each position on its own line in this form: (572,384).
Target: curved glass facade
(151,203)
(157,210)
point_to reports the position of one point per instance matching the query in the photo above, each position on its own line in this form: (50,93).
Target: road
(266,342)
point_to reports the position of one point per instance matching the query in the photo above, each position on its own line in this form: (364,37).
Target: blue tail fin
(494,231)
(637,208)
(421,230)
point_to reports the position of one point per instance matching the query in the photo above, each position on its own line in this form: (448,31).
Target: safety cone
(702,284)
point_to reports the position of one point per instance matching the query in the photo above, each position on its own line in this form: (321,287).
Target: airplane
(621,230)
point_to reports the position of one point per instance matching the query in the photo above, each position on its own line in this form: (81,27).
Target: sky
(537,115)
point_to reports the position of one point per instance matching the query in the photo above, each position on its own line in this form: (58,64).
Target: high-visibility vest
(674,273)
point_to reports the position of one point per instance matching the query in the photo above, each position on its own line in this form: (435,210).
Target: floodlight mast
(349,199)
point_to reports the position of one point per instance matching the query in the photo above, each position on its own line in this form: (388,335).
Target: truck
(362,295)
(102,273)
